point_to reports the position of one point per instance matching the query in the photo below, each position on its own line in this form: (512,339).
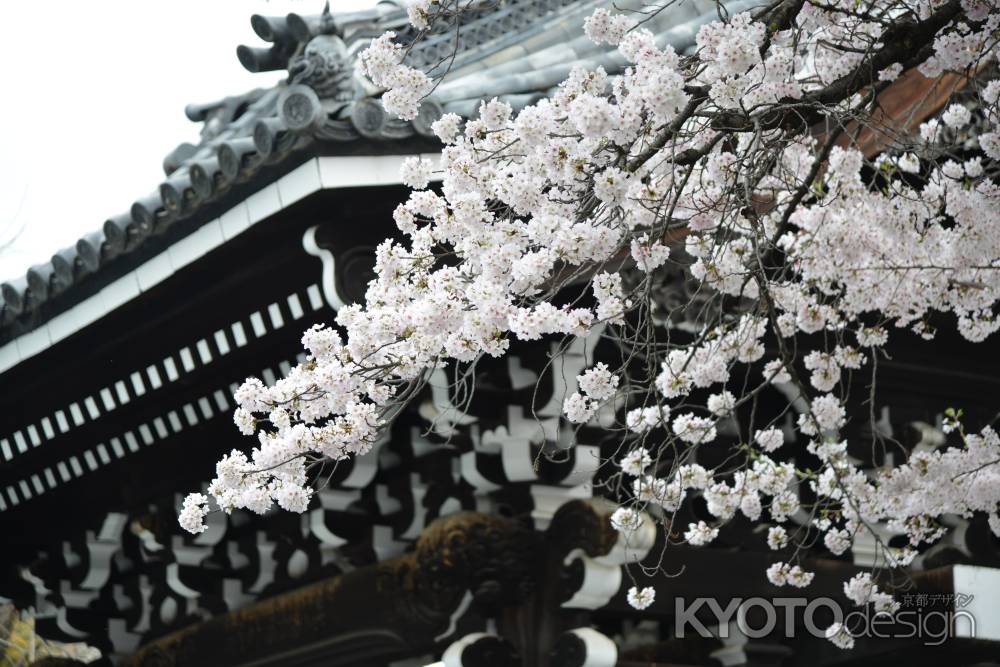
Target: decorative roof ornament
(325,96)
(325,66)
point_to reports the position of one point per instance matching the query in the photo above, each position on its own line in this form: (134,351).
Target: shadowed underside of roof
(517,50)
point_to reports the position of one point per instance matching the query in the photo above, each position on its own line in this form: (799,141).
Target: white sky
(94,96)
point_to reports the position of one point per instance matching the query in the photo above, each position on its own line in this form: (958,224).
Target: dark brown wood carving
(392,609)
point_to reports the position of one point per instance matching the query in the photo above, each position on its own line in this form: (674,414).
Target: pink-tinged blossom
(604,27)
(699,534)
(641,420)
(598,383)
(784,505)
(415,172)
(837,541)
(636,461)
(649,255)
(769,439)
(626,520)
(419,13)
(447,127)
(786,574)
(860,589)
(192,516)
(721,404)
(956,116)
(891,73)
(693,429)
(578,409)
(640,598)
(777,538)
(840,636)
(405,86)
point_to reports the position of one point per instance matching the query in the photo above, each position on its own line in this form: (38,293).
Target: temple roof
(517,50)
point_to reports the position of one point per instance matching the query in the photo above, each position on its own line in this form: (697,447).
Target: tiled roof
(514,49)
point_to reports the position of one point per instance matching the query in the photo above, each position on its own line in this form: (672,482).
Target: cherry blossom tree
(761,174)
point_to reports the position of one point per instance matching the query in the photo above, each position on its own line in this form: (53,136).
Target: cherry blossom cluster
(803,250)
(862,591)
(382,63)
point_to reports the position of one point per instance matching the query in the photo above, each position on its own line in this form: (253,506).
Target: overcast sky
(94,96)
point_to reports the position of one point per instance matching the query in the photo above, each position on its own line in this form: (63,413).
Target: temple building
(476,533)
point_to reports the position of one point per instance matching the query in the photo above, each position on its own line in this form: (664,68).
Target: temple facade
(476,533)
